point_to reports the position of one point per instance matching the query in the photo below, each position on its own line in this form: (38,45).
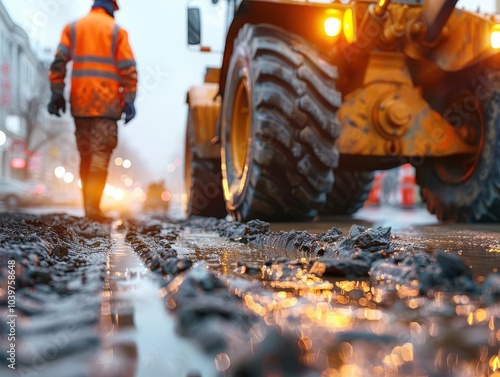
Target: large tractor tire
(349,193)
(203,183)
(279,127)
(467,189)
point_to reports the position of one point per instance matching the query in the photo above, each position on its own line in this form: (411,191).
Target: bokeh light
(68,177)
(118,194)
(166,196)
(59,172)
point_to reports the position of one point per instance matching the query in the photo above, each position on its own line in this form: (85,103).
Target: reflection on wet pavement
(364,328)
(137,334)
(478,246)
(219,254)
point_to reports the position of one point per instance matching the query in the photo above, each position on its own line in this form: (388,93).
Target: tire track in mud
(59,272)
(138,337)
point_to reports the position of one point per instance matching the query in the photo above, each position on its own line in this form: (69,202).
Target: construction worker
(103,87)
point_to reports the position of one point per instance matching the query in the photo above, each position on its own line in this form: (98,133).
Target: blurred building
(32,143)
(21,75)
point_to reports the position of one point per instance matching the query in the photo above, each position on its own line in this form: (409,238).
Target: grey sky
(166,66)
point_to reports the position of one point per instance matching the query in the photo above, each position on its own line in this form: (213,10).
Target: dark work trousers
(96,139)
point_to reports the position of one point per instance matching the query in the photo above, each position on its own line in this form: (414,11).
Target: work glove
(57,103)
(129,112)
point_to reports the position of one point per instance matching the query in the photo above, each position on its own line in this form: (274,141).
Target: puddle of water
(220,255)
(138,335)
(480,248)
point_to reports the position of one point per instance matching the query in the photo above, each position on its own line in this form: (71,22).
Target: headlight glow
(495,37)
(333,26)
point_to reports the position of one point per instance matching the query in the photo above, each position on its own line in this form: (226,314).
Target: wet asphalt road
(140,338)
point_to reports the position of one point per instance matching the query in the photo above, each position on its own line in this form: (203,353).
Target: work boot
(92,193)
(97,215)
(92,210)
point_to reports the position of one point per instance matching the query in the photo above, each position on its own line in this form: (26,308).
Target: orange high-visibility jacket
(104,75)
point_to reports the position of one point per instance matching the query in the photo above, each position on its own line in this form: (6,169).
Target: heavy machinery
(311,98)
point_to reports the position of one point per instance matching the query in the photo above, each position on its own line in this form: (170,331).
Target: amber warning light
(337,22)
(333,26)
(495,37)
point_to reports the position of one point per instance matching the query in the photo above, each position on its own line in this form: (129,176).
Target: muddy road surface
(150,296)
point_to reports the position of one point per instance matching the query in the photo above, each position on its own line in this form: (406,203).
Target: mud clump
(154,243)
(491,289)
(346,268)
(247,233)
(209,312)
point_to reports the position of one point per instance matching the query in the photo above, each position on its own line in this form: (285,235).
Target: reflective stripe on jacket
(104,75)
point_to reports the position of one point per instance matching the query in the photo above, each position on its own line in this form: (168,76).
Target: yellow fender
(204,108)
